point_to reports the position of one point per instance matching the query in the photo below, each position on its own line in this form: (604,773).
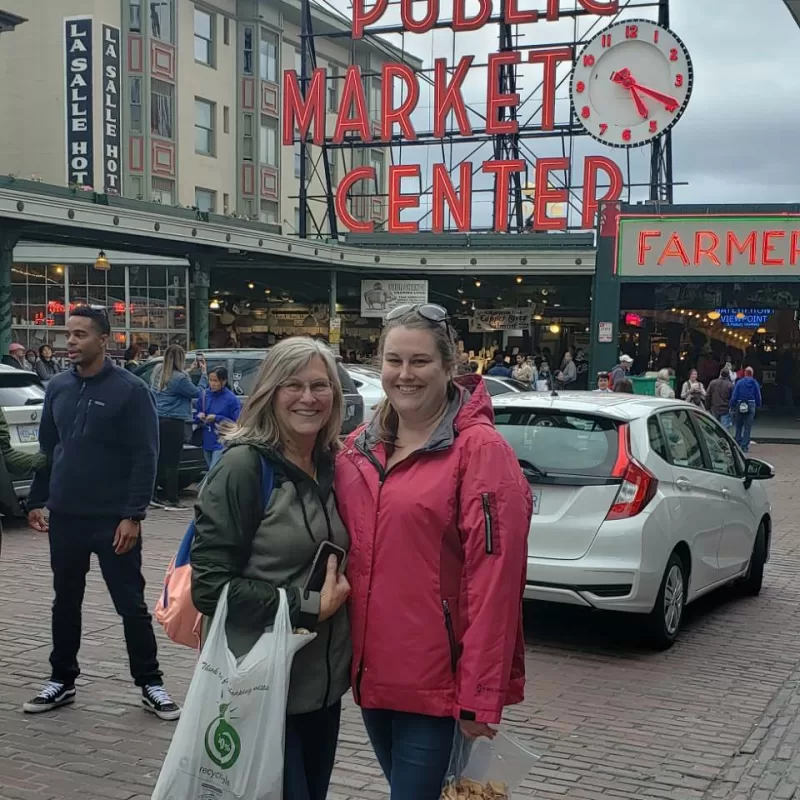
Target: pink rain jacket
(437,566)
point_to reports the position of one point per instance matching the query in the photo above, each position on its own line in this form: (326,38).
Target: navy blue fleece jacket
(100,436)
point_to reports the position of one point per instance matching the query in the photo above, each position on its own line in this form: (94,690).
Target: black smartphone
(315,579)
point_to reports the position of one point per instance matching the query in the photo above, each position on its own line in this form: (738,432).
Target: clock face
(631,83)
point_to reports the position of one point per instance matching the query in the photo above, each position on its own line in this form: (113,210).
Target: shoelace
(159,695)
(51,689)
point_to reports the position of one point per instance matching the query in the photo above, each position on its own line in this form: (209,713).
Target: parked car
(497,386)
(22,397)
(368,382)
(640,504)
(243,366)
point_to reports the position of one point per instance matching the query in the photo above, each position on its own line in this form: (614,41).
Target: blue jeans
(212,456)
(309,753)
(744,423)
(725,420)
(413,751)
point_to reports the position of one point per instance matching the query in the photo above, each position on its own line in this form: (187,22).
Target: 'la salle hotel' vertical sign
(79,99)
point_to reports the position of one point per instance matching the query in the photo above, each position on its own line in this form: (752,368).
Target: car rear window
(348,387)
(20,390)
(560,442)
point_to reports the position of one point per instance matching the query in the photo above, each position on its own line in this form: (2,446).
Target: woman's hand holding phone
(335,590)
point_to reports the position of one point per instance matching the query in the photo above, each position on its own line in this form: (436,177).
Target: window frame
(332,89)
(212,195)
(154,111)
(724,435)
(703,452)
(161,4)
(269,124)
(135,27)
(210,132)
(266,36)
(135,80)
(209,41)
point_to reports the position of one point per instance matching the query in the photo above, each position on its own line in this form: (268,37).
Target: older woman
(438,511)
(257,545)
(663,386)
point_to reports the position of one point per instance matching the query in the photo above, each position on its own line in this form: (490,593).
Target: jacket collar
(106,369)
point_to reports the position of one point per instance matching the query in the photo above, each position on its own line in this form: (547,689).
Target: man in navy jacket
(99,431)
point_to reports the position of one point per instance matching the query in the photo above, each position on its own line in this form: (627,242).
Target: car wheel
(751,583)
(667,614)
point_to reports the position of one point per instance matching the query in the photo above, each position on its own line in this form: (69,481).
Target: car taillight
(638,484)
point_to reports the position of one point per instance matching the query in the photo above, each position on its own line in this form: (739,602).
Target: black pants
(170,447)
(309,753)
(72,542)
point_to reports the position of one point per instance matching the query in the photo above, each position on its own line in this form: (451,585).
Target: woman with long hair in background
(173,391)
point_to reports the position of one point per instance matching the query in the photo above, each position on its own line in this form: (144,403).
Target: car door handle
(683,484)
(726,493)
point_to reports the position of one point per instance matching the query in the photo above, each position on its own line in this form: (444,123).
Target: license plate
(28,434)
(536,494)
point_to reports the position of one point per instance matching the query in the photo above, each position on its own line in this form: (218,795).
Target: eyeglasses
(317,388)
(429,311)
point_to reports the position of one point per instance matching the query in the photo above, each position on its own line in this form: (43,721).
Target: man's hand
(126,536)
(37,521)
(474,730)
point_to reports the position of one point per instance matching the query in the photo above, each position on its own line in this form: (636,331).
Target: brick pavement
(718,716)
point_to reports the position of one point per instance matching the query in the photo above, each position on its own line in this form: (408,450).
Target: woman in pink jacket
(438,513)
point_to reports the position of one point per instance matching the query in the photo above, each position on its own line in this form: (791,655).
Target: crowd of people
(425,623)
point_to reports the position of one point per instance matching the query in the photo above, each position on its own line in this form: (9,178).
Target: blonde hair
(258,421)
(174,361)
(385,415)
(663,375)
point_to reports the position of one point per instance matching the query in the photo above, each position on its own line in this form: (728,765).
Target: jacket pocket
(490,524)
(451,635)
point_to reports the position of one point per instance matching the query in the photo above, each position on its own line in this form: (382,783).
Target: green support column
(201,280)
(8,240)
(603,355)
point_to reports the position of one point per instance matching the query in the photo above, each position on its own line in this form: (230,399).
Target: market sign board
(723,247)
(744,317)
(500,319)
(379,297)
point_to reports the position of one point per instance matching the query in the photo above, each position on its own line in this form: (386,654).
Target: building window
(248,209)
(135,187)
(376,162)
(204,37)
(135,21)
(158,298)
(333,87)
(162,105)
(269,141)
(226,119)
(205,200)
(204,113)
(247,137)
(375,97)
(163,191)
(247,52)
(334,166)
(226,30)
(268,56)
(226,203)
(136,105)
(269,212)
(161,20)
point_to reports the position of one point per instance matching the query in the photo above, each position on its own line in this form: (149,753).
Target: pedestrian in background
(46,366)
(523,371)
(217,408)
(602,383)
(569,373)
(174,391)
(438,512)
(257,544)
(31,358)
(623,386)
(16,356)
(663,386)
(621,370)
(100,436)
(153,351)
(745,399)
(693,391)
(131,357)
(499,368)
(719,398)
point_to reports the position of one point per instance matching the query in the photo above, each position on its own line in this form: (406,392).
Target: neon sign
(744,317)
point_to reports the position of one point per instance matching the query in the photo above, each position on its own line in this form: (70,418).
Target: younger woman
(217,408)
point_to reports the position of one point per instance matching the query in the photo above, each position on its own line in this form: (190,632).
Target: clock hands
(624,78)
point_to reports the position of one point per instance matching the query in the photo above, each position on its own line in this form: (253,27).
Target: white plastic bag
(229,740)
(486,769)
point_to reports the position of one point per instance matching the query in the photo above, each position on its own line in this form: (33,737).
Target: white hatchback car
(640,504)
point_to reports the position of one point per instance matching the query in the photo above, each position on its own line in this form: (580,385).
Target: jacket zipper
(487,521)
(451,635)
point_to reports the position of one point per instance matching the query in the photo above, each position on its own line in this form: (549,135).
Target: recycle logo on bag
(223,745)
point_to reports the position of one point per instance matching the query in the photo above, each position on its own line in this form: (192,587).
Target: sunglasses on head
(429,311)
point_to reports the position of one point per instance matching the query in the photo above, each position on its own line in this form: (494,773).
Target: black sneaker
(157,502)
(156,700)
(53,695)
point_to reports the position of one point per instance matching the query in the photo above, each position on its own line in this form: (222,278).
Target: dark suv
(243,366)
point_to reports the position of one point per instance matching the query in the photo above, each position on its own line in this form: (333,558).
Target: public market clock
(631,83)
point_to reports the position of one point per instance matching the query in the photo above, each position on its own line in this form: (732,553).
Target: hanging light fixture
(519,278)
(762,329)
(214,305)
(555,328)
(251,285)
(713,315)
(267,291)
(101,262)
(477,284)
(537,317)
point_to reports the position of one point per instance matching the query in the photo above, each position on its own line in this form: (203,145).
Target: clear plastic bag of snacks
(486,769)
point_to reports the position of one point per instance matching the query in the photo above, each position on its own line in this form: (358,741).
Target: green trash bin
(648,385)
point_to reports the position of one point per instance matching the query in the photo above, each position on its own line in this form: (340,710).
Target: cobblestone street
(718,716)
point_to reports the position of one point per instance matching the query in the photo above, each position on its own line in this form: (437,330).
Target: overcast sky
(737,141)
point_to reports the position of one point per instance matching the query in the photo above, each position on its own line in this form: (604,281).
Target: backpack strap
(267,481)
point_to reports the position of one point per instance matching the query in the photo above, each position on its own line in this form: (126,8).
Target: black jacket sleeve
(48,440)
(228,513)
(141,424)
